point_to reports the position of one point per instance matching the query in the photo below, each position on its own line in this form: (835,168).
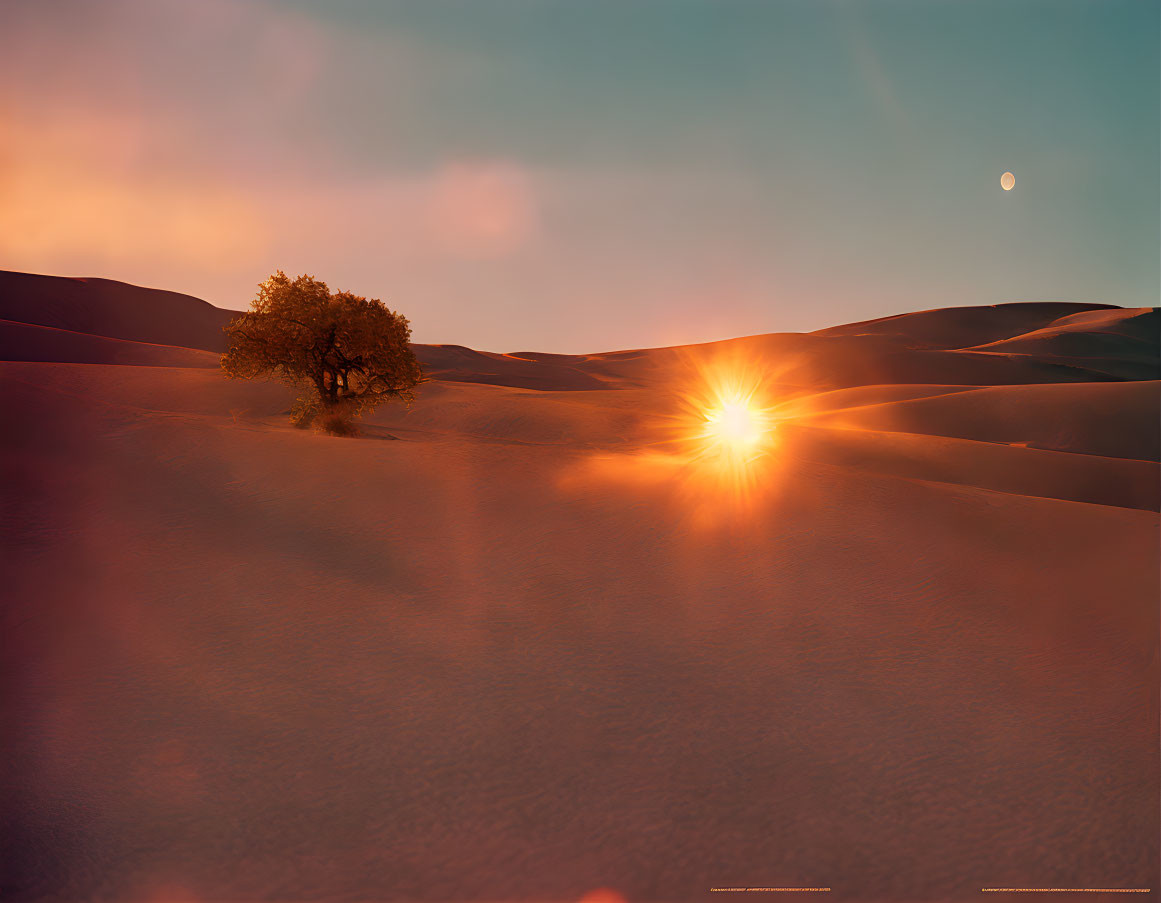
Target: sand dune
(1003,427)
(917,348)
(511,646)
(454,362)
(26,342)
(960,327)
(985,465)
(1112,419)
(1141,323)
(1123,343)
(116,310)
(813,403)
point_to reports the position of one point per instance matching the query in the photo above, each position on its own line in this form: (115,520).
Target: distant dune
(112,309)
(1001,344)
(960,327)
(510,645)
(28,342)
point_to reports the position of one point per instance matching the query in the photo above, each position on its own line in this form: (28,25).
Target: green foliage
(345,353)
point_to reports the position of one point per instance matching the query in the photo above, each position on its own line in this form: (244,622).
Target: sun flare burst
(729,423)
(735,426)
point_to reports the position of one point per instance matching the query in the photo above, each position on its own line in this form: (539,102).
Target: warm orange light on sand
(708,447)
(602,895)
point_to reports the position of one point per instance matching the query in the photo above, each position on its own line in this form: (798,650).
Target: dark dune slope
(1025,471)
(1115,420)
(961,327)
(116,310)
(1123,343)
(460,364)
(26,342)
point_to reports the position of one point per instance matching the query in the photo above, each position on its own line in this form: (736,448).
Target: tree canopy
(348,354)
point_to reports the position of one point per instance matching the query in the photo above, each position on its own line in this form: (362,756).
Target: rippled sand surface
(516,654)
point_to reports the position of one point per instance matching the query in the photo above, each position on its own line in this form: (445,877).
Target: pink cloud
(480,209)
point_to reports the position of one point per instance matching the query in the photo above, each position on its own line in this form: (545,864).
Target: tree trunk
(329,388)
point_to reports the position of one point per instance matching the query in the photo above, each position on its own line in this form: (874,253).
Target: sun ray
(723,426)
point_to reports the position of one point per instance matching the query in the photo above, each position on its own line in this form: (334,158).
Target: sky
(590,175)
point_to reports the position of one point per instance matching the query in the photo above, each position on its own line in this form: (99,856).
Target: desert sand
(515,644)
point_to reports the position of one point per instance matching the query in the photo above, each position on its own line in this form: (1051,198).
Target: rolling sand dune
(26,342)
(911,348)
(454,362)
(960,327)
(1002,468)
(1141,324)
(1113,419)
(511,646)
(858,397)
(112,309)
(1122,343)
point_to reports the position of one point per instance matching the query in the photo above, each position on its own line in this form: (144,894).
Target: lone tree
(347,354)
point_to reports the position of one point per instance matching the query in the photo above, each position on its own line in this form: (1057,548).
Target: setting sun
(735,426)
(726,423)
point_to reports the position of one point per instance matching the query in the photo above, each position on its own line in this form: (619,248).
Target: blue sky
(582,176)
